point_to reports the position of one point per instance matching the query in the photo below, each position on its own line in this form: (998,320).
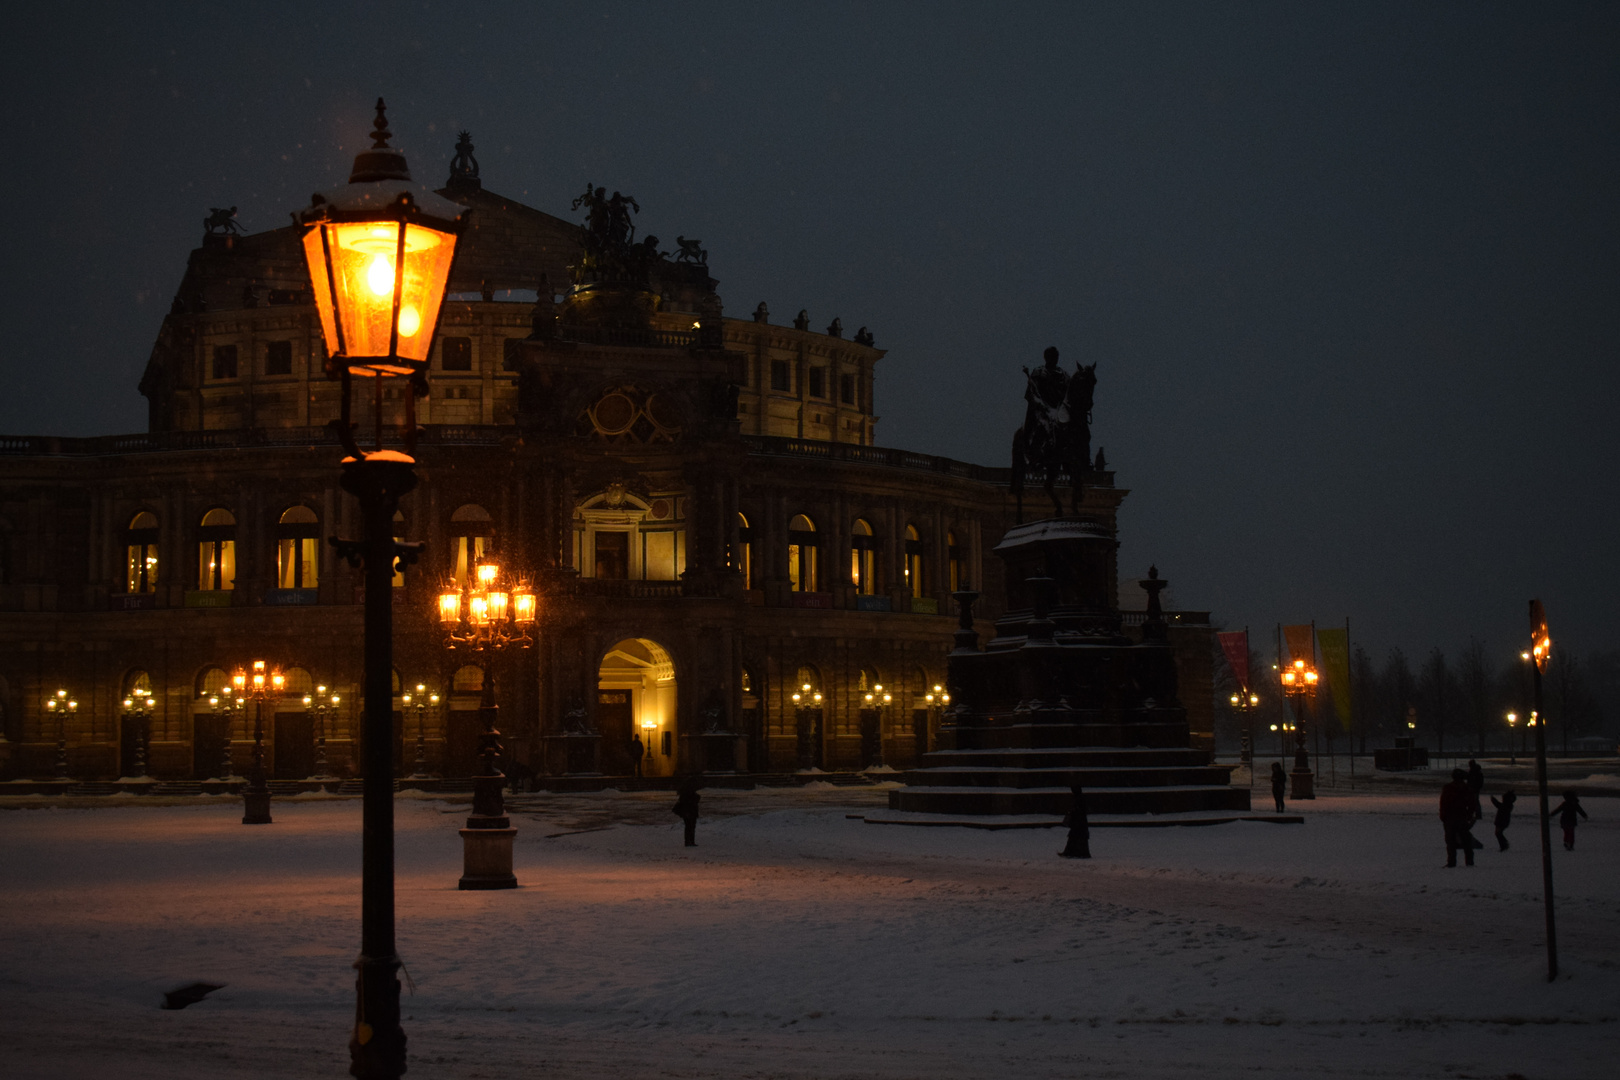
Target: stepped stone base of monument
(1117,780)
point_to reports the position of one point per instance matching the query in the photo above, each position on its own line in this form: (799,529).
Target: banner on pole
(1235,647)
(1300,646)
(1336,666)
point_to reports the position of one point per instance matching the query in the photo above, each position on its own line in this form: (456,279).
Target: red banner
(1235,646)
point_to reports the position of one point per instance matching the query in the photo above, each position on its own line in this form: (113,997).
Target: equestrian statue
(1056,436)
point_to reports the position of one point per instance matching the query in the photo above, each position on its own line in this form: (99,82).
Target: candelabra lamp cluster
(877,702)
(138,711)
(491,616)
(61,707)
(259,685)
(1299,684)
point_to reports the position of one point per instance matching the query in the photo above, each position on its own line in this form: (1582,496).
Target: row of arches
(806,569)
(298,548)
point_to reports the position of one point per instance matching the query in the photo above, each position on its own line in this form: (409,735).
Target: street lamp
(490,617)
(138,711)
(261,684)
(61,706)
(422,699)
(379,252)
(805,702)
(937,699)
(876,700)
(1299,683)
(1244,702)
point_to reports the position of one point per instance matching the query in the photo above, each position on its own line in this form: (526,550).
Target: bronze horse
(1056,436)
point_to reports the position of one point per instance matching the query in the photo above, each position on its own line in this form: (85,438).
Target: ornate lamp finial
(380,133)
(464,164)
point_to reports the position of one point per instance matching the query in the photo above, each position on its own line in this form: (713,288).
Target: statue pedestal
(255,807)
(1301,784)
(486,859)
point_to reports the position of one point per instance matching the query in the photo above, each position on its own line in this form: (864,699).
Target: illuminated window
(472,533)
(456,354)
(216,551)
(612,554)
(399,526)
(914,562)
(622,536)
(141,553)
(298,549)
(861,543)
(802,544)
(954,552)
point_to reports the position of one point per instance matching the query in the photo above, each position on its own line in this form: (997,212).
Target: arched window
(745,552)
(472,532)
(914,562)
(298,549)
(808,681)
(802,545)
(867,680)
(298,683)
(216,551)
(137,680)
(953,552)
(211,682)
(141,553)
(861,543)
(468,679)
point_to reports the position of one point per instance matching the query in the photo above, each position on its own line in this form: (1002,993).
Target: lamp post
(1299,683)
(489,618)
(421,699)
(937,699)
(805,702)
(1512,719)
(222,724)
(261,684)
(61,706)
(379,253)
(1244,702)
(877,700)
(137,711)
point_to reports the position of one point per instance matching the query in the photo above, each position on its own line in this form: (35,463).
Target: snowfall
(797,940)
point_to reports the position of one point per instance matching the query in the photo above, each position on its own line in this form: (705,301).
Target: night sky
(1349,276)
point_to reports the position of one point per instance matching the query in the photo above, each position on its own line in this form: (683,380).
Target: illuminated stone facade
(703,507)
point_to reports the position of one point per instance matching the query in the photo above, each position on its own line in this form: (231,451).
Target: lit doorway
(636,698)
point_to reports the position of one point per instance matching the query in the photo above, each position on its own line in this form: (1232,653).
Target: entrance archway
(635,695)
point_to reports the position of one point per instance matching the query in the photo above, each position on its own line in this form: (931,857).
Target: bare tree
(1476,678)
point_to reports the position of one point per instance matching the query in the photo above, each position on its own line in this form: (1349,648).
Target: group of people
(1460,808)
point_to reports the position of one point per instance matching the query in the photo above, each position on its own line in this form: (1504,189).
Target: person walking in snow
(638,750)
(686,808)
(1504,818)
(1567,811)
(1279,784)
(1079,845)
(1457,814)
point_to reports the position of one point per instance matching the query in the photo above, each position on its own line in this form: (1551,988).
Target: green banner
(1335,646)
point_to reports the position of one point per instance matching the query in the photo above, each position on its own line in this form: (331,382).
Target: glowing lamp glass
(478,610)
(450,606)
(498,603)
(524,607)
(363,272)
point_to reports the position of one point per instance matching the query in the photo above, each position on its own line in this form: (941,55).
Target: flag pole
(1248,710)
(1350,696)
(1540,648)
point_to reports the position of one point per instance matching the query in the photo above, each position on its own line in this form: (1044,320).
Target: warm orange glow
(497,602)
(240,679)
(1288,678)
(365,277)
(524,607)
(478,610)
(487,573)
(450,606)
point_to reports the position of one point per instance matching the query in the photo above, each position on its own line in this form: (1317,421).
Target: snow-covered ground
(796,942)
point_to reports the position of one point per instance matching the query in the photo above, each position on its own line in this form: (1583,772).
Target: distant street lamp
(492,616)
(1299,684)
(138,711)
(878,701)
(261,684)
(379,251)
(318,704)
(61,706)
(422,700)
(1244,702)
(805,704)
(937,699)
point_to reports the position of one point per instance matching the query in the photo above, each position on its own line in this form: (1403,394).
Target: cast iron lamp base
(1301,784)
(255,807)
(486,858)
